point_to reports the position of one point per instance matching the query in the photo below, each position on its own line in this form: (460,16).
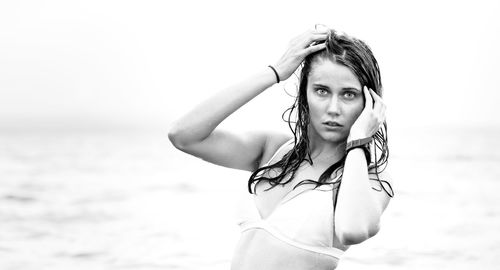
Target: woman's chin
(331,136)
(334,138)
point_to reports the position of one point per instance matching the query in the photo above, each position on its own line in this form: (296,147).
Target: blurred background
(88,90)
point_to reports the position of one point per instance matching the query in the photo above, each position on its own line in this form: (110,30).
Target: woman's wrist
(361,149)
(357,142)
(264,78)
(278,79)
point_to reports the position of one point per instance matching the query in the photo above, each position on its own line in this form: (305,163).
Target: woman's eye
(349,95)
(321,92)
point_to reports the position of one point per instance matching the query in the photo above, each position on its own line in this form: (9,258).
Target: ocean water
(129,200)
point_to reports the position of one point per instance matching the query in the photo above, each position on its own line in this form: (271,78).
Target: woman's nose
(334,105)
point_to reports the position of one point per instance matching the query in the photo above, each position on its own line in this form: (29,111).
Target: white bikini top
(303,218)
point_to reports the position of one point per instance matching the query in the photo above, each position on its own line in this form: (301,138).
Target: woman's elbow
(353,237)
(175,136)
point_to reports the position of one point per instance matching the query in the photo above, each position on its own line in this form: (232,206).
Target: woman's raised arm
(196,133)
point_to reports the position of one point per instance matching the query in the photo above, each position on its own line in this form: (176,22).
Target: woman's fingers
(310,42)
(368,98)
(314,48)
(306,43)
(315,38)
(314,43)
(310,37)
(379,107)
(318,36)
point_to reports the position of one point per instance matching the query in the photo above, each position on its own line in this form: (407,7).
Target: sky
(111,64)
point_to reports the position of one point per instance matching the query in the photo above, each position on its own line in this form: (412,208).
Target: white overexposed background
(88,90)
(88,63)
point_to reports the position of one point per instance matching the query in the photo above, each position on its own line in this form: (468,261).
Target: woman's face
(335,100)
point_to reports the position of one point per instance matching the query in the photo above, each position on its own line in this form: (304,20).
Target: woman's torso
(289,229)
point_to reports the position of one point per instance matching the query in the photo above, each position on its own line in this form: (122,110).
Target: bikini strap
(335,193)
(279,150)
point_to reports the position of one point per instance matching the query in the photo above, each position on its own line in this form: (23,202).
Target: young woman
(322,189)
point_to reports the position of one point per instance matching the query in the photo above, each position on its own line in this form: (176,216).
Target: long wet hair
(358,57)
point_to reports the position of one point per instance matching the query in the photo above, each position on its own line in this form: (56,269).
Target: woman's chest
(270,197)
(306,217)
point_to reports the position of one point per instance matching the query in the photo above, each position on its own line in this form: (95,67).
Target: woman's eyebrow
(351,88)
(320,85)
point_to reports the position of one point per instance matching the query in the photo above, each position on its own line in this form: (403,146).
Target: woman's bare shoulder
(273,143)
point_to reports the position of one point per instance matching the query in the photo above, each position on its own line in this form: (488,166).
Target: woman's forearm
(357,213)
(197,124)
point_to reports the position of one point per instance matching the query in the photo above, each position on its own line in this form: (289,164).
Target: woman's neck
(325,150)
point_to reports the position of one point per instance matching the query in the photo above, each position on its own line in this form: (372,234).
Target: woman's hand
(371,118)
(298,49)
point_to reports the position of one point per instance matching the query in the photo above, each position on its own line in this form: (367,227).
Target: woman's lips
(332,124)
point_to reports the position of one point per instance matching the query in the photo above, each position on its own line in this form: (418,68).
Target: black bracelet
(275,73)
(357,142)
